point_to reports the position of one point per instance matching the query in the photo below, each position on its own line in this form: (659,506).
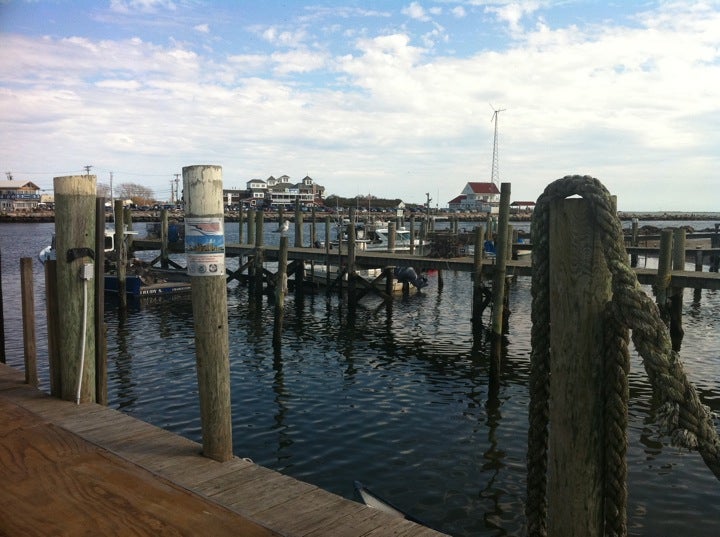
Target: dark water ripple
(399,401)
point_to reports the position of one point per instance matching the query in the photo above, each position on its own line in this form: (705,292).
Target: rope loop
(682,416)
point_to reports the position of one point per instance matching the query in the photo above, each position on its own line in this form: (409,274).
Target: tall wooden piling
(634,242)
(251,226)
(75,244)
(205,250)
(164,240)
(240,225)
(53,329)
(257,282)
(391,237)
(100,340)
(501,255)
(412,234)
(3,358)
(580,286)
(298,226)
(477,303)
(120,253)
(27,299)
(662,283)
(280,292)
(676,294)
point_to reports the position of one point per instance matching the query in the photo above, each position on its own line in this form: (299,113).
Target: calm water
(399,401)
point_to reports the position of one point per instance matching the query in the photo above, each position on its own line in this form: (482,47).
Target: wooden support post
(280,292)
(663,275)
(501,249)
(101,396)
(697,292)
(257,282)
(127,228)
(298,226)
(3,358)
(580,287)
(351,259)
(478,297)
(281,216)
(412,234)
(120,253)
(27,299)
(391,237)
(164,239)
(251,226)
(75,243)
(634,242)
(240,225)
(313,229)
(676,295)
(205,250)
(327,251)
(53,329)
(714,256)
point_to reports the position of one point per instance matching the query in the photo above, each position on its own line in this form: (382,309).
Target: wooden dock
(522,267)
(71,469)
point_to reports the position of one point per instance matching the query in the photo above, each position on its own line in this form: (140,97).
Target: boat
(371,499)
(402,275)
(374,237)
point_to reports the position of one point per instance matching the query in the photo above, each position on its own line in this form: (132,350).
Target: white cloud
(141,6)
(202,28)
(415,11)
(458,12)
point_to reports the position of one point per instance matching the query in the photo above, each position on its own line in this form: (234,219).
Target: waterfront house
(276,192)
(476,197)
(18,196)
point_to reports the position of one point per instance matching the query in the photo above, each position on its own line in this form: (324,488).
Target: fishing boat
(401,276)
(375,237)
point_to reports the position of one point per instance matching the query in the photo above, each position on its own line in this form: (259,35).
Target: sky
(391,99)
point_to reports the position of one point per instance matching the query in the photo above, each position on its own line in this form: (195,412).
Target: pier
(66,468)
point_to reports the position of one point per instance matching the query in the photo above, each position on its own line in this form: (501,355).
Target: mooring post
(412,234)
(676,295)
(298,225)
(281,216)
(351,258)
(240,225)
(714,256)
(501,254)
(53,330)
(580,287)
(27,299)
(259,252)
(327,251)
(3,358)
(120,253)
(391,237)
(127,229)
(250,226)
(634,242)
(75,243)
(280,292)
(164,239)
(313,228)
(662,282)
(99,324)
(478,297)
(205,252)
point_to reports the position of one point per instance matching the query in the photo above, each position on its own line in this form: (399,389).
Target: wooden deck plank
(55,483)
(88,466)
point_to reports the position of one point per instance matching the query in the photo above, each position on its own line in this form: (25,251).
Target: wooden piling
(127,229)
(634,242)
(251,226)
(257,282)
(580,287)
(477,307)
(240,225)
(205,250)
(27,299)
(351,259)
(164,239)
(280,291)
(120,253)
(412,234)
(75,242)
(298,226)
(53,329)
(313,228)
(501,255)
(100,340)
(327,251)
(676,294)
(391,237)
(663,275)
(3,358)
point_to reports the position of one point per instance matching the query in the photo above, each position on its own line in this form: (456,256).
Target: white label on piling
(205,246)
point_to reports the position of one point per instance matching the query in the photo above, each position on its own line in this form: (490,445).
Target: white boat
(319,273)
(375,238)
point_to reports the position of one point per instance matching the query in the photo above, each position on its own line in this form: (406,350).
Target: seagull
(285,226)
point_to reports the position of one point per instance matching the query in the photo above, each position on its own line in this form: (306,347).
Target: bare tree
(139,194)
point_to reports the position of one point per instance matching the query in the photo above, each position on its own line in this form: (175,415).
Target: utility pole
(495,173)
(87,170)
(112,200)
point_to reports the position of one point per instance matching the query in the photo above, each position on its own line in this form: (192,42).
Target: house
(18,196)
(275,192)
(478,197)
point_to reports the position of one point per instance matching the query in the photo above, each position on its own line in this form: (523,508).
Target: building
(477,197)
(18,196)
(274,192)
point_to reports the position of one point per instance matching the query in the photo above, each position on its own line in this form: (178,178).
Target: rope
(686,420)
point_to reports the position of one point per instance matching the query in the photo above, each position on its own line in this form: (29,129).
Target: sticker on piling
(205,246)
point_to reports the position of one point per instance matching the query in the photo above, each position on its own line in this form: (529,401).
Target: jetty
(66,468)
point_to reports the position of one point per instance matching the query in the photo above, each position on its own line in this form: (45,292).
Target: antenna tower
(495,173)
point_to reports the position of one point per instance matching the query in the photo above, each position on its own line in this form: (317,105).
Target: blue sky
(387,98)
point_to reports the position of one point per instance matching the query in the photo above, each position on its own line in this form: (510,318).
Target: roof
(457,199)
(484,188)
(523,203)
(7,185)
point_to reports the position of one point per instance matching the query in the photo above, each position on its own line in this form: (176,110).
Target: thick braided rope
(688,422)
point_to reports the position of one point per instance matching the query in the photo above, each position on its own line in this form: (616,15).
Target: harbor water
(396,398)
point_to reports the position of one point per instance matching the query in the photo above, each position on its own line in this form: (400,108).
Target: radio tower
(495,174)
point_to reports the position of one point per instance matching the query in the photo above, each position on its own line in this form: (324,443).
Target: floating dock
(70,469)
